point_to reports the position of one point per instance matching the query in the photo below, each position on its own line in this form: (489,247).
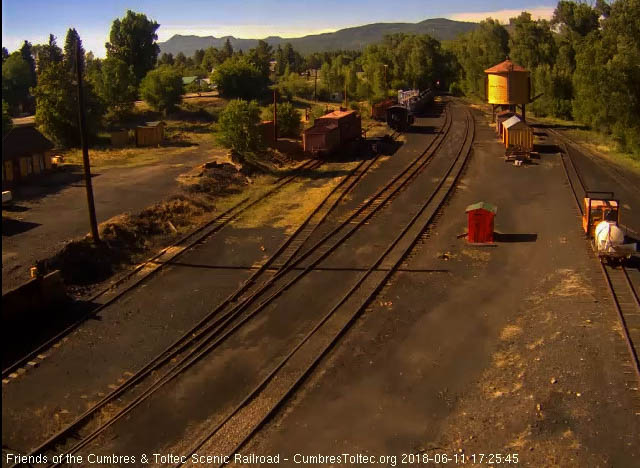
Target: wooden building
(480,222)
(25,152)
(150,134)
(517,134)
(119,137)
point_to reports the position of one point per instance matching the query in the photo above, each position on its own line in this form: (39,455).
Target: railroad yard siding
(507,349)
(133,330)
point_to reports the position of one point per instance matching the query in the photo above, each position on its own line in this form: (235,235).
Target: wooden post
(315,86)
(85,149)
(346,101)
(275,116)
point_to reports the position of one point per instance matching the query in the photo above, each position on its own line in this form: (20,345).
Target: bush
(289,119)
(162,88)
(455,89)
(238,125)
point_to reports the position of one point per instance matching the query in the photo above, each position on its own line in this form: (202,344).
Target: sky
(33,20)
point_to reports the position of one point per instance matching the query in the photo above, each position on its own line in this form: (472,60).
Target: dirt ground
(52,211)
(479,355)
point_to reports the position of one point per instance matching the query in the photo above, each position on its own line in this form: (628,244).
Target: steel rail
(192,334)
(216,224)
(371,296)
(606,272)
(206,346)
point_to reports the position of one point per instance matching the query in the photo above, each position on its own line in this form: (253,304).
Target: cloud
(504,15)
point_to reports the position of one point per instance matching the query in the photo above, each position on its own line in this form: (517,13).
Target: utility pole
(346,101)
(85,149)
(386,85)
(275,116)
(315,86)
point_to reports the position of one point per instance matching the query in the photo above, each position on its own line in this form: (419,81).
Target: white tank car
(609,241)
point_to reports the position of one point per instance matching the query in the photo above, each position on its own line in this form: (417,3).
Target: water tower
(507,85)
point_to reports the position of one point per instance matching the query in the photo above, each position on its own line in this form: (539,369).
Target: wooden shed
(119,137)
(321,139)
(480,222)
(25,152)
(503,116)
(517,134)
(150,134)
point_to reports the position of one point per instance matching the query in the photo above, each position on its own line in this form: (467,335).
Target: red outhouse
(480,218)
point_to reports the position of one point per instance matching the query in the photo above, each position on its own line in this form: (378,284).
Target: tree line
(583,64)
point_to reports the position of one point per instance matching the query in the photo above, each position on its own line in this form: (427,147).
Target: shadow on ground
(50,183)
(502,237)
(11,227)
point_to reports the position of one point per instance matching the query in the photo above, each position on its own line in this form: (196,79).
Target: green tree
(48,53)
(479,50)
(16,81)
(579,18)
(26,51)
(227,50)
(166,59)
(261,57)
(181,59)
(6,118)
(114,84)
(198,56)
(532,42)
(57,106)
(73,42)
(5,54)
(289,119)
(133,40)
(162,88)
(238,124)
(212,57)
(239,78)
(607,95)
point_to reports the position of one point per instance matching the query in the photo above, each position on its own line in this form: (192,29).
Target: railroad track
(144,271)
(247,418)
(621,282)
(227,317)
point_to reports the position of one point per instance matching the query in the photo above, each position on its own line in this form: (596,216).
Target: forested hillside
(355,38)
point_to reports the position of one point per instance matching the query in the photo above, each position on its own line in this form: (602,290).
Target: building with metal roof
(25,152)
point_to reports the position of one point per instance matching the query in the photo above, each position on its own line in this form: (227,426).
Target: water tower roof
(505,67)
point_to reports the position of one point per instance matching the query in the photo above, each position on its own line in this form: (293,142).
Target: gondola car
(399,118)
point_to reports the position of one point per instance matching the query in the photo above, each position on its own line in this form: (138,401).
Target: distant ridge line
(352,38)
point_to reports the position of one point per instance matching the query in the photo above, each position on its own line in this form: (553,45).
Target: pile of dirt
(126,237)
(215,178)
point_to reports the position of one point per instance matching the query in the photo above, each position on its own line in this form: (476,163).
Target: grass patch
(599,143)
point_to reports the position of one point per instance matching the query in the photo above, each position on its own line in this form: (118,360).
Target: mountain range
(355,38)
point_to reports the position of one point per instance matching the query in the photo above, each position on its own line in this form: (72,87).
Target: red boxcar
(348,122)
(480,218)
(321,139)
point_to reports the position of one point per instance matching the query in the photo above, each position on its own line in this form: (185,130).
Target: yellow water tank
(507,83)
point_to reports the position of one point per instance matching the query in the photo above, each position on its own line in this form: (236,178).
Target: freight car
(332,131)
(399,118)
(379,109)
